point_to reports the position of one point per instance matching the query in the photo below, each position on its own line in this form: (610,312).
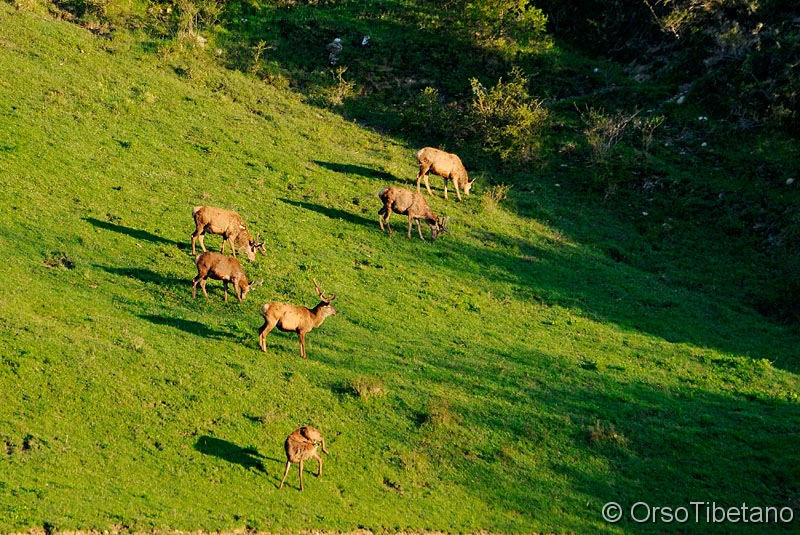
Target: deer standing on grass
(414,206)
(300,446)
(298,319)
(227,224)
(220,267)
(447,166)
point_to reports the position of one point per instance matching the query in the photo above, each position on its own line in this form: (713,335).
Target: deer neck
(319,313)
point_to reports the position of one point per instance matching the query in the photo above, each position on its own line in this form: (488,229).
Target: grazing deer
(444,164)
(227,224)
(300,446)
(414,206)
(298,319)
(224,268)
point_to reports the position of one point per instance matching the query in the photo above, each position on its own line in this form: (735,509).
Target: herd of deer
(302,444)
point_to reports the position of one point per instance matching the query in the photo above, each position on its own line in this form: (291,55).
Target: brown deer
(444,164)
(300,446)
(413,205)
(298,319)
(227,224)
(224,268)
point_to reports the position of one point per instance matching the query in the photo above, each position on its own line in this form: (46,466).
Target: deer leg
(410,223)
(194,286)
(225,288)
(423,174)
(302,337)
(319,458)
(445,188)
(285,473)
(458,193)
(203,287)
(233,247)
(194,238)
(301,474)
(381,213)
(388,212)
(201,237)
(262,335)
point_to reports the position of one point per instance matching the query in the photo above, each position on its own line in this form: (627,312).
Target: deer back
(218,220)
(298,447)
(219,267)
(400,200)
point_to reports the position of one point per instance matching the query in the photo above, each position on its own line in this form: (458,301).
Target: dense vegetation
(612,318)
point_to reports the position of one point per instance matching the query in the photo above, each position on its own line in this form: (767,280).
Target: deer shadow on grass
(248,458)
(187,326)
(138,234)
(145,275)
(349,169)
(333,213)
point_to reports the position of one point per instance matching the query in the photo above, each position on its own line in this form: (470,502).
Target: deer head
(439,227)
(468,186)
(257,245)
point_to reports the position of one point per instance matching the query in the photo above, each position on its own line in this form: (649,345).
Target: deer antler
(259,244)
(321,296)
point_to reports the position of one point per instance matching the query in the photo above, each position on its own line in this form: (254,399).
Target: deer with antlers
(298,319)
(413,205)
(302,445)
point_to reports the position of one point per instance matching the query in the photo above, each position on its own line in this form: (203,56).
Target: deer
(220,267)
(413,205)
(302,445)
(298,319)
(229,225)
(444,164)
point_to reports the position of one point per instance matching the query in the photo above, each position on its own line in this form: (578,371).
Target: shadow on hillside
(333,213)
(609,292)
(248,458)
(349,169)
(146,275)
(137,234)
(641,443)
(527,429)
(187,326)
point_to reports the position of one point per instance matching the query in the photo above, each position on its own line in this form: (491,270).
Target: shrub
(509,122)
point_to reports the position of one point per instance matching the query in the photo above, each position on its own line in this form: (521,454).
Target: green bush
(508,121)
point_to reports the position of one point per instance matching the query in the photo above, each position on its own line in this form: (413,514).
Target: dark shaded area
(188,326)
(248,458)
(135,233)
(606,291)
(636,441)
(146,275)
(350,169)
(334,213)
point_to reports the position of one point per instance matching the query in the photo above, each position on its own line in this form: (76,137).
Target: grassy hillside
(511,376)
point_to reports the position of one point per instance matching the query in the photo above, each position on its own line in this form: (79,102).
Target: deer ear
(242,227)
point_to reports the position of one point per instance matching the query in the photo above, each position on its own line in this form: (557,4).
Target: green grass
(510,377)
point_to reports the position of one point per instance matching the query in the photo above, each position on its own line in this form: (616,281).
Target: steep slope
(505,377)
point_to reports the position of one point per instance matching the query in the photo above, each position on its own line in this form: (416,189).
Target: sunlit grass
(508,377)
